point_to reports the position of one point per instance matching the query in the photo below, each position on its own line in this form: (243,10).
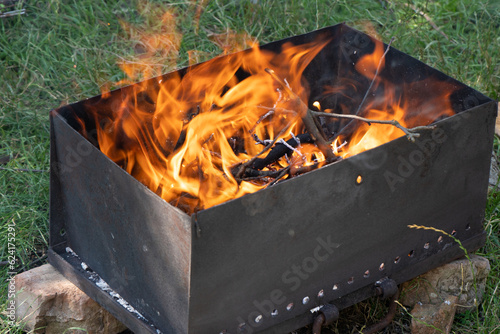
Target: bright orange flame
(409,113)
(368,64)
(183,134)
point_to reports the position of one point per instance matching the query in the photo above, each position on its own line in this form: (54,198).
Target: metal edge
(57,237)
(118,169)
(58,119)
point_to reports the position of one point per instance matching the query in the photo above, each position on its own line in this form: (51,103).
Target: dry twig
(311,123)
(411,133)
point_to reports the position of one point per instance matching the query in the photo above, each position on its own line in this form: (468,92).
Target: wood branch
(280,150)
(411,133)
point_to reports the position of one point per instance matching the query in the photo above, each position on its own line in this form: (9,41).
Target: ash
(105,287)
(95,278)
(70,251)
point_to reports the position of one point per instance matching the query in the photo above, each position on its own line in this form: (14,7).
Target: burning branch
(411,134)
(252,168)
(307,118)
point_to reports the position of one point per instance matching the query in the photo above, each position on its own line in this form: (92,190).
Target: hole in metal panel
(258,318)
(359,179)
(321,293)
(351,280)
(242,326)
(397,259)
(382,266)
(440,239)
(274,313)
(62,232)
(366,274)
(411,253)
(305,300)
(335,287)
(427,245)
(454,233)
(467,227)
(289,307)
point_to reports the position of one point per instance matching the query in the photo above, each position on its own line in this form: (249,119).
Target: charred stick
(283,172)
(217,154)
(280,150)
(297,139)
(239,169)
(281,141)
(411,134)
(189,117)
(255,178)
(181,139)
(254,174)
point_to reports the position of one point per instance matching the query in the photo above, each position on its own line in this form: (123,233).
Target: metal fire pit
(270,261)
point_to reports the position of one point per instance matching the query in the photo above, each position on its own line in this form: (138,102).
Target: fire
(409,115)
(186,135)
(184,138)
(392,106)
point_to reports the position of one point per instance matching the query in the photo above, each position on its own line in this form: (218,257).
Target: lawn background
(61,52)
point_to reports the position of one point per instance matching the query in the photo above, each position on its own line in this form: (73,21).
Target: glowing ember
(187,135)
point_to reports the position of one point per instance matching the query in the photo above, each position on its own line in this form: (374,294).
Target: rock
(432,318)
(452,279)
(48,303)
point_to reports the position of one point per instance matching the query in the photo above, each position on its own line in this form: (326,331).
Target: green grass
(64,51)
